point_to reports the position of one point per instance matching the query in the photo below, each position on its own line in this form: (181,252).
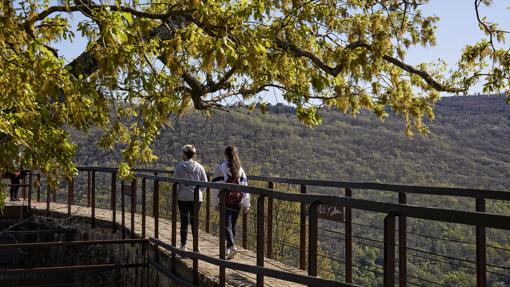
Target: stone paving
(208,245)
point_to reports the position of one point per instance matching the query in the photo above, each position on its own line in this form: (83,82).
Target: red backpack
(233,197)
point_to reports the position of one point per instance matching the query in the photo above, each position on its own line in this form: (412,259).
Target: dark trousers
(232,214)
(14,186)
(186,210)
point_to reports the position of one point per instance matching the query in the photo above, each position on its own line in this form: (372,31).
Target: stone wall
(106,254)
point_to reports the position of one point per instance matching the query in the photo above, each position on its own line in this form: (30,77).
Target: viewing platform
(208,244)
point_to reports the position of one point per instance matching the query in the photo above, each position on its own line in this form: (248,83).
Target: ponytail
(234,163)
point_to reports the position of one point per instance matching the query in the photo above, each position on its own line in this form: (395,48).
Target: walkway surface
(208,244)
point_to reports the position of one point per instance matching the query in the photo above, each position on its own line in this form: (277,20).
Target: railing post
(389,250)
(302,233)
(30,182)
(313,226)
(54,194)
(269,240)
(194,227)
(143,206)
(123,208)
(48,199)
(207,207)
(155,213)
(70,195)
(93,190)
(133,207)
(155,208)
(481,253)
(39,187)
(402,244)
(223,230)
(260,238)
(245,229)
(348,239)
(174,225)
(89,179)
(114,201)
(23,188)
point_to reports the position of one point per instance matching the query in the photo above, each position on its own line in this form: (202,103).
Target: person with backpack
(191,170)
(230,171)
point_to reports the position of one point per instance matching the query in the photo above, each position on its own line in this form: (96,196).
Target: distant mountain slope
(468,146)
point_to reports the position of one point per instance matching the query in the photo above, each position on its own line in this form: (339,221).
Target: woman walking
(230,171)
(191,170)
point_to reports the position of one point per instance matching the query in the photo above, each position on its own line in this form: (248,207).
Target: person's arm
(203,177)
(177,172)
(243,180)
(245,202)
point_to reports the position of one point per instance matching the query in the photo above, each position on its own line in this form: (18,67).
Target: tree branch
(220,84)
(78,8)
(334,71)
(299,52)
(422,74)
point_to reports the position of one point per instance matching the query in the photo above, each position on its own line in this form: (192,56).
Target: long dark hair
(233,161)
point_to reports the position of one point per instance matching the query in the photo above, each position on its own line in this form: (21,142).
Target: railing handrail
(431,213)
(412,189)
(72,243)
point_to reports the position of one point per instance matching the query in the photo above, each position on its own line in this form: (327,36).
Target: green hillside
(468,145)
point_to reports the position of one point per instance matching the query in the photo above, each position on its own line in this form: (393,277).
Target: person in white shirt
(191,170)
(230,171)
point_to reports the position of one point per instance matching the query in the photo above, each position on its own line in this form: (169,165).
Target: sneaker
(231,252)
(182,248)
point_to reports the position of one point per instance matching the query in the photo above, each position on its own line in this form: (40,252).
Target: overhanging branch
(334,71)
(77,8)
(422,74)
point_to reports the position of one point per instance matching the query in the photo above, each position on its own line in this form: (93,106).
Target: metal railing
(308,214)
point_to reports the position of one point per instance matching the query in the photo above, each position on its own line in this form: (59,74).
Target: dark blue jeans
(186,209)
(232,213)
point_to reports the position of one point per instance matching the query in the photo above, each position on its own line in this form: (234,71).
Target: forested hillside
(468,145)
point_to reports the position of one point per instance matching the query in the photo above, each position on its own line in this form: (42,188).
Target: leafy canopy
(147,61)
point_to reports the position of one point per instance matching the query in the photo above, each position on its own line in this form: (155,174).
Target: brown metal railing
(308,213)
(258,270)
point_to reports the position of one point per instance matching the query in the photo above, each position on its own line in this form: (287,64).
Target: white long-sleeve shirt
(224,171)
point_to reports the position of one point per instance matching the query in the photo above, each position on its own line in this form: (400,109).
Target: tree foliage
(147,60)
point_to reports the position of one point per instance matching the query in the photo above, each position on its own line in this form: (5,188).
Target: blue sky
(456,28)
